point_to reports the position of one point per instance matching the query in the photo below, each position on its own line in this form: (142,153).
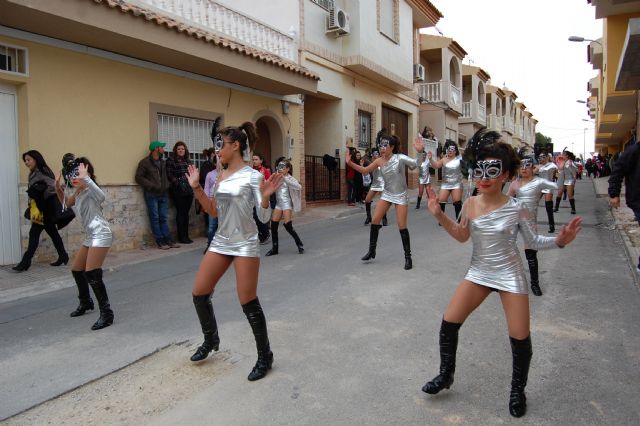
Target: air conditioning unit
(418,72)
(337,22)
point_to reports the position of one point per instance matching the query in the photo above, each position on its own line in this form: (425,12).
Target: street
(353,343)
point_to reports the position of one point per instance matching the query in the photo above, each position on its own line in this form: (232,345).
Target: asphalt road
(354,343)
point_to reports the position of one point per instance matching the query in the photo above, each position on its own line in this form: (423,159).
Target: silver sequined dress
(530,193)
(283,197)
(377,181)
(546,171)
(424,178)
(569,172)
(452,174)
(235,196)
(496,260)
(395,185)
(88,208)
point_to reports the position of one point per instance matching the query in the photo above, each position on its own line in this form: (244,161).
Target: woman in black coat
(42,211)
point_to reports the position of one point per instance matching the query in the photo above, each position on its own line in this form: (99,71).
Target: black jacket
(151,178)
(627,168)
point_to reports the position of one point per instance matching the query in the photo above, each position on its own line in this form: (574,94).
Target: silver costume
(283,196)
(395,185)
(546,171)
(377,181)
(530,194)
(569,173)
(88,208)
(452,174)
(235,196)
(496,260)
(424,178)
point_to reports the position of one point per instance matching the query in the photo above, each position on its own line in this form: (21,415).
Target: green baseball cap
(156,144)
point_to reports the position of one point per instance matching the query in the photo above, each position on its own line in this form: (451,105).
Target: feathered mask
(216,137)
(480,139)
(69,168)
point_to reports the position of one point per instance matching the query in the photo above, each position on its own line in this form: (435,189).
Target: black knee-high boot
(457,205)
(532,260)
(204,309)
(274,238)
(258,323)
(406,245)
(289,227)
(367,207)
(557,205)
(572,201)
(373,242)
(86,304)
(521,352)
(448,348)
(548,205)
(418,203)
(94,277)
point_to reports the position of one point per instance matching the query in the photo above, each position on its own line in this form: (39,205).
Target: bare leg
(212,268)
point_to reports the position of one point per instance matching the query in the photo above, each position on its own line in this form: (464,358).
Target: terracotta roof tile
(208,37)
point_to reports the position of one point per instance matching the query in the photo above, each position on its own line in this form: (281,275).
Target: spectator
(350,176)
(177,168)
(263,228)
(151,175)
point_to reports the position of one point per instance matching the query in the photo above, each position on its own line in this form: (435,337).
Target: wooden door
(397,123)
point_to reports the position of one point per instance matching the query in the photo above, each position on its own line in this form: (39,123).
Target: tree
(543,144)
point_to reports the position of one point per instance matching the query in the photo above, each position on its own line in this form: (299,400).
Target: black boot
(548,205)
(274,239)
(22,266)
(258,323)
(289,227)
(367,207)
(418,203)
(448,347)
(442,207)
(86,304)
(532,260)
(406,245)
(204,309)
(373,242)
(521,352)
(557,205)
(94,277)
(572,201)
(457,205)
(384,220)
(64,259)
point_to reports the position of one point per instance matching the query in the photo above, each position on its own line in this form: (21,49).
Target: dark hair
(245,134)
(449,143)
(90,170)
(260,156)
(287,163)
(175,150)
(40,163)
(393,142)
(503,152)
(570,154)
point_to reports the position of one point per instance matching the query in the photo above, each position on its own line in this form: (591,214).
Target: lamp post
(584,139)
(579,39)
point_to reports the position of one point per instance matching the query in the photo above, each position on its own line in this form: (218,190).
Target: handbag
(64,217)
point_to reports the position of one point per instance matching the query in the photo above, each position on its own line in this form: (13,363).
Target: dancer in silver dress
(546,169)
(493,220)
(287,201)
(451,165)
(238,189)
(86,202)
(392,167)
(568,170)
(377,186)
(528,189)
(424,182)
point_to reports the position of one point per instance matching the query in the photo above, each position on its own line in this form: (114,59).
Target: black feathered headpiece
(215,135)
(480,139)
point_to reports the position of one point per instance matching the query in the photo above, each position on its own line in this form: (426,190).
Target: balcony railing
(466,109)
(507,125)
(222,19)
(474,111)
(441,92)
(494,122)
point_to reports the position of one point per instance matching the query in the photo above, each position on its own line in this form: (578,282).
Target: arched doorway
(270,139)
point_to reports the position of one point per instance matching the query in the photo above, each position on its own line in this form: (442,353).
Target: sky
(523,45)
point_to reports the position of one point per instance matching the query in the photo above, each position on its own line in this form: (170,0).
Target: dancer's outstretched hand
(193,176)
(569,231)
(271,185)
(418,144)
(432,204)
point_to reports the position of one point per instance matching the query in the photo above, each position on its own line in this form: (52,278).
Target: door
(9,163)
(397,123)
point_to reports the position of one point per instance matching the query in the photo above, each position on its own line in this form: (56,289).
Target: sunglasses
(487,169)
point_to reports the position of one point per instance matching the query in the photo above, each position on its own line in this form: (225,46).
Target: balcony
(473,112)
(441,92)
(507,124)
(213,16)
(518,132)
(494,122)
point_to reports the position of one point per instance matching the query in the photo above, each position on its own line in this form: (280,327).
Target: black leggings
(34,240)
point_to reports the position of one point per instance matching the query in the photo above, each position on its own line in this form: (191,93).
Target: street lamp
(581,39)
(584,139)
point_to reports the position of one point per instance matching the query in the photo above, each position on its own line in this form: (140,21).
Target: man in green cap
(151,175)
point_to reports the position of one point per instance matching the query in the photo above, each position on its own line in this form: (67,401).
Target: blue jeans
(213,227)
(157,207)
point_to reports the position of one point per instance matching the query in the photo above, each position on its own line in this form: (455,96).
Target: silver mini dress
(452,174)
(546,171)
(283,197)
(569,173)
(496,261)
(530,194)
(377,181)
(88,208)
(235,196)
(395,184)
(424,178)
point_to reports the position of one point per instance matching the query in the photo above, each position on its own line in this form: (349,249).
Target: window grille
(13,59)
(325,4)
(194,132)
(364,142)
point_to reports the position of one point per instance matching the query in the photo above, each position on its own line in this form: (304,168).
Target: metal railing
(321,182)
(441,92)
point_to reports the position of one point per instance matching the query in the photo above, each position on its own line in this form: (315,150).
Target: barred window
(325,4)
(364,119)
(13,59)
(194,132)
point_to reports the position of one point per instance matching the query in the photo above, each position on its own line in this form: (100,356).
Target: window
(13,59)
(388,19)
(195,133)
(325,4)
(364,127)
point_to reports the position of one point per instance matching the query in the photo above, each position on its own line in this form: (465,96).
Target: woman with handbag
(86,269)
(42,210)
(177,168)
